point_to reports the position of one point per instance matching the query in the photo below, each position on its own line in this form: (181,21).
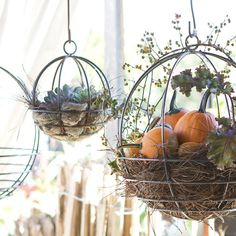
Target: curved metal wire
(177,55)
(26,168)
(194,32)
(21,160)
(87,120)
(99,72)
(68,21)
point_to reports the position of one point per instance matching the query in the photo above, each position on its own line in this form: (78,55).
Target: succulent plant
(70,94)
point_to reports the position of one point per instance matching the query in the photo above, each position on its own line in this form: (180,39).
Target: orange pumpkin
(174,114)
(190,148)
(133,151)
(194,126)
(152,142)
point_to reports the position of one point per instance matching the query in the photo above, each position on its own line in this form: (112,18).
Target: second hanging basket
(166,161)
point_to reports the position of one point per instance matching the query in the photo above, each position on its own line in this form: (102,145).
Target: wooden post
(34,226)
(209,228)
(87,220)
(61,202)
(93,223)
(114,220)
(17,228)
(128,219)
(101,213)
(205,229)
(73,218)
(47,226)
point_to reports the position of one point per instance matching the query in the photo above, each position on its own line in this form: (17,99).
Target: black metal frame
(83,65)
(198,49)
(59,68)
(16,153)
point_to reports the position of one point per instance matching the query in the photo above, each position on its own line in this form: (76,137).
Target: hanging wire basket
(71,96)
(71,105)
(179,182)
(19,136)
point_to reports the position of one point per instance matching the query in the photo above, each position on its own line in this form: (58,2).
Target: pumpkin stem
(165,126)
(203,103)
(172,102)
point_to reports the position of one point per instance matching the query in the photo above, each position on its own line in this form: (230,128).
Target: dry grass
(189,187)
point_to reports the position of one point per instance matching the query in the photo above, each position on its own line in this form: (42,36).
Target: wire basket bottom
(189,190)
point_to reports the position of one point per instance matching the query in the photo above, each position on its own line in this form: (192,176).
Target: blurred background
(70,190)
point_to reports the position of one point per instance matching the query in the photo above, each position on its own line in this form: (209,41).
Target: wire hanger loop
(194,32)
(68,21)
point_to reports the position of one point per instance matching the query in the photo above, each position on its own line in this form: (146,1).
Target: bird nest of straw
(188,187)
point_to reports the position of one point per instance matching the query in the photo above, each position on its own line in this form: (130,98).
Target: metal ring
(73,44)
(192,46)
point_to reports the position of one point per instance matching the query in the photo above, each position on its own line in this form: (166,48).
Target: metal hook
(194,32)
(68,21)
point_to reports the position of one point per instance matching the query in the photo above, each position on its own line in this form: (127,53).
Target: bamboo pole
(17,228)
(87,219)
(205,229)
(61,202)
(76,212)
(128,219)
(34,226)
(148,223)
(209,228)
(26,229)
(93,211)
(101,215)
(47,226)
(73,219)
(115,216)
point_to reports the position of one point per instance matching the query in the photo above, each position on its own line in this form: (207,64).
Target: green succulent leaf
(79,94)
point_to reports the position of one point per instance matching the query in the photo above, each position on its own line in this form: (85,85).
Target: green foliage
(70,94)
(202,79)
(222,144)
(114,166)
(97,100)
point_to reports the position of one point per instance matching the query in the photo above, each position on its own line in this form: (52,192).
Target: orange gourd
(194,126)
(190,148)
(174,113)
(133,151)
(152,146)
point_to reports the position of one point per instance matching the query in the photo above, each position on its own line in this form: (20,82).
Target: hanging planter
(185,169)
(71,96)
(19,138)
(71,110)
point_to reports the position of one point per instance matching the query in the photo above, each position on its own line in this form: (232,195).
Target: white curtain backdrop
(32,33)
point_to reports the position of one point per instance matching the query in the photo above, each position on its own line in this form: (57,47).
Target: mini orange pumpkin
(152,142)
(133,151)
(174,114)
(194,126)
(190,148)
